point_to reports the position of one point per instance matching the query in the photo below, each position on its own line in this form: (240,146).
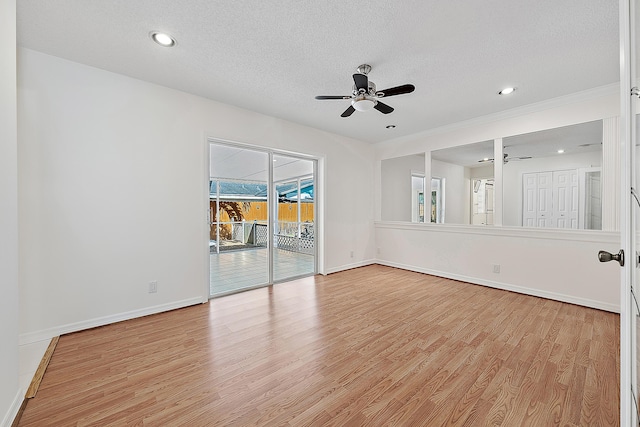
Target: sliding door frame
(316,226)
(318,201)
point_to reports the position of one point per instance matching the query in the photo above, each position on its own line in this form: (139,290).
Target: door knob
(605,256)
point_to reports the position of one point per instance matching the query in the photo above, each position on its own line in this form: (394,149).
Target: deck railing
(295,237)
(290,236)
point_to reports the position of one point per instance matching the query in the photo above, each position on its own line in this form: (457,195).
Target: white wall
(113,192)
(560,265)
(553,264)
(456,192)
(482,171)
(10,395)
(396,186)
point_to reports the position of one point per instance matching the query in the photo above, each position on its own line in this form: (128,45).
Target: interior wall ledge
(596,236)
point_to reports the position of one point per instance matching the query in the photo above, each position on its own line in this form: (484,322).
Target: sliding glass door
(261,220)
(294,218)
(238,219)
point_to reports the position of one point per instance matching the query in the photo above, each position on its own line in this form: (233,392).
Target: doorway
(417,197)
(437,200)
(262,212)
(482,201)
(590,208)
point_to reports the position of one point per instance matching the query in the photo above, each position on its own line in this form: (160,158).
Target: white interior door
(538,200)
(565,199)
(550,199)
(631,276)
(629,214)
(544,200)
(529,197)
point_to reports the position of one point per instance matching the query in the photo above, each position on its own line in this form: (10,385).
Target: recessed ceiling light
(506,91)
(163,39)
(560,151)
(391,126)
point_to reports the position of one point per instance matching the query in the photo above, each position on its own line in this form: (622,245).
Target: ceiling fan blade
(383,108)
(361,81)
(398,90)
(333,97)
(349,111)
(507,157)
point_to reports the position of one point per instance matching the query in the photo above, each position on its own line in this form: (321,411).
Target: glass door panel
(238,219)
(294,246)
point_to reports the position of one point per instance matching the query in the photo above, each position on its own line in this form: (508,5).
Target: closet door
(529,199)
(537,206)
(565,199)
(544,203)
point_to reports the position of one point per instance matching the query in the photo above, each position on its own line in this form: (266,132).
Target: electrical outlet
(351,254)
(153,287)
(378,250)
(496,268)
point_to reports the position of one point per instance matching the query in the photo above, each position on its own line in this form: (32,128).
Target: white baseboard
(8,418)
(47,334)
(508,287)
(350,266)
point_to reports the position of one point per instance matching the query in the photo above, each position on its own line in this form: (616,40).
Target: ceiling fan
(364,95)
(505,158)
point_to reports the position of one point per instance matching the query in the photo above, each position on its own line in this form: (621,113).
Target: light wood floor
(370,346)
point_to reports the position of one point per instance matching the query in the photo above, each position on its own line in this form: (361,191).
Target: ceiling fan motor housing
(364,100)
(371,90)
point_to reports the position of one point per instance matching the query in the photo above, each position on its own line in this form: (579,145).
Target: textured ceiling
(273,57)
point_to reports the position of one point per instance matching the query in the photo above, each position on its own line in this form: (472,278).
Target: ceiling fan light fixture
(163,39)
(364,95)
(363,104)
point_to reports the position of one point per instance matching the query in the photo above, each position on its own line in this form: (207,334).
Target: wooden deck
(237,270)
(370,346)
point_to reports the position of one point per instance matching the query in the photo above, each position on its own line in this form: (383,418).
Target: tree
(234,211)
